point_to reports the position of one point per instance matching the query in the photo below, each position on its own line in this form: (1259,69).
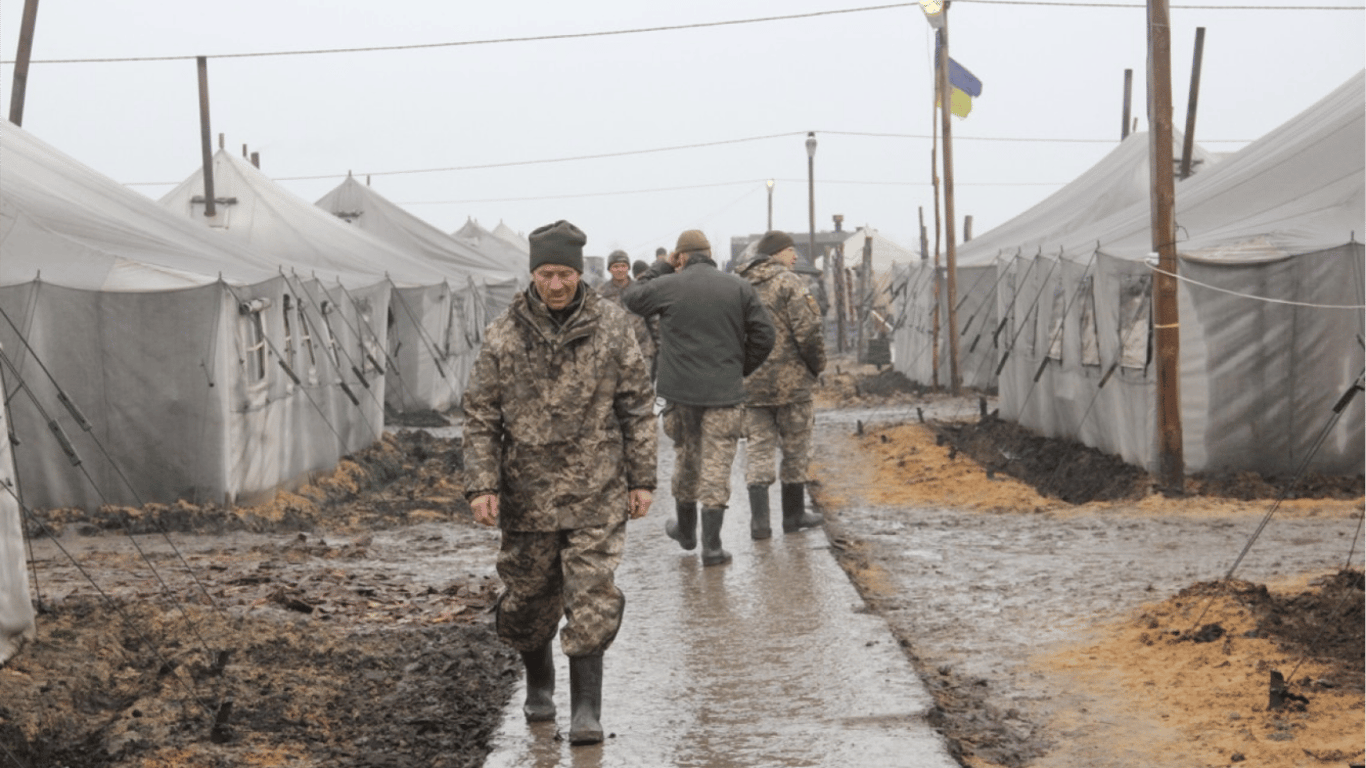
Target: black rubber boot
(758,512)
(684,529)
(712,553)
(795,516)
(585,699)
(540,685)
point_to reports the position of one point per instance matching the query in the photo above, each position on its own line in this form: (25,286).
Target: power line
(1178,7)
(669,28)
(719,184)
(490,41)
(675,148)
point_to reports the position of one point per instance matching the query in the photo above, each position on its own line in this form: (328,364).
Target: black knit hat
(638,268)
(618,257)
(772,242)
(559,243)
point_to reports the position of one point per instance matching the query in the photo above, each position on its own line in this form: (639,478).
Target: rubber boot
(684,529)
(585,699)
(795,516)
(758,512)
(540,685)
(712,553)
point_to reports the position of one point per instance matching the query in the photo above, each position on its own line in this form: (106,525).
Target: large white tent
(391,283)
(1116,182)
(432,363)
(503,250)
(16,608)
(154,344)
(512,236)
(1270,302)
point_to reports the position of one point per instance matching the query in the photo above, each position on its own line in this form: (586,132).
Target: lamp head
(811,144)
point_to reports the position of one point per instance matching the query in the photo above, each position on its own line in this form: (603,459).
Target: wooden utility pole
(206,135)
(924,241)
(950,262)
(841,289)
(16,96)
(1166,320)
(1128,91)
(1188,145)
(938,280)
(864,281)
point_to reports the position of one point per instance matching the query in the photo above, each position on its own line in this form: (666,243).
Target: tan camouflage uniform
(705,441)
(559,423)
(645,335)
(779,411)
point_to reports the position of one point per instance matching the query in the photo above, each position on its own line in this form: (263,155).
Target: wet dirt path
(770,660)
(983,597)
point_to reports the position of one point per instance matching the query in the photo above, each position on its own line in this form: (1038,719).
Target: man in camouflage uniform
(713,331)
(778,409)
(559,449)
(619,266)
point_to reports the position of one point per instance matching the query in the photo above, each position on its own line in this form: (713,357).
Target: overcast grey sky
(1051,103)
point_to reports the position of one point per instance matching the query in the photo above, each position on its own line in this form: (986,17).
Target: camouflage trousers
(705,440)
(567,574)
(775,427)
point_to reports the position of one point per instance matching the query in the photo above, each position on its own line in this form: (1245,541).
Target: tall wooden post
(938,279)
(1188,144)
(1166,320)
(924,241)
(16,96)
(206,135)
(950,262)
(865,301)
(1128,91)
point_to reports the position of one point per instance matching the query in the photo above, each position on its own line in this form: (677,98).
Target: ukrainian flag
(963,87)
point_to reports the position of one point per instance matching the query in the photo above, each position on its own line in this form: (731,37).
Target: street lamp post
(770,206)
(811,195)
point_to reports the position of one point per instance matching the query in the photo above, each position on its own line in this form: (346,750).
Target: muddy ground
(348,624)
(1067,614)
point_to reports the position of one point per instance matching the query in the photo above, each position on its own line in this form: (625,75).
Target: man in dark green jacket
(714,331)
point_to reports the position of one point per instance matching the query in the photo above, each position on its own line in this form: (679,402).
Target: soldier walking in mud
(714,331)
(619,267)
(559,450)
(779,413)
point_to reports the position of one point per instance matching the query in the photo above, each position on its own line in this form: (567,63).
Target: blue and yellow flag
(963,86)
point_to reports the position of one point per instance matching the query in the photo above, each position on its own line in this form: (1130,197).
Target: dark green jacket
(713,329)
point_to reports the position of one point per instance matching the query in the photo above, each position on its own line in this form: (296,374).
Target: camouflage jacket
(798,356)
(559,422)
(644,336)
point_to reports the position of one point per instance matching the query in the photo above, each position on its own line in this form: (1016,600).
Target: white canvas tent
(1270,301)
(505,252)
(431,364)
(16,608)
(165,338)
(512,236)
(1116,182)
(392,283)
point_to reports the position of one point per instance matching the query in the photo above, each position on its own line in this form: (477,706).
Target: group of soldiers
(560,436)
